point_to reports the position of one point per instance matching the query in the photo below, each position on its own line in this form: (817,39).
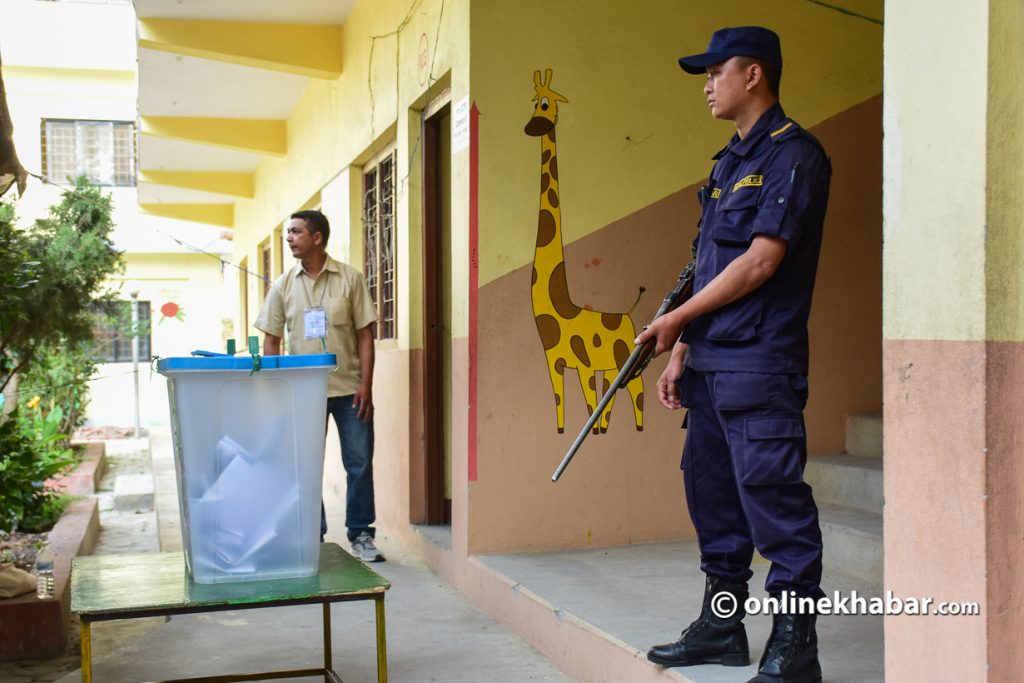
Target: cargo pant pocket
(774,450)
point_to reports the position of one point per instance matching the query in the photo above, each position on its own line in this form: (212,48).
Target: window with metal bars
(379,239)
(102,151)
(114,335)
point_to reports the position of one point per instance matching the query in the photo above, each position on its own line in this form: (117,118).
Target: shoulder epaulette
(787,129)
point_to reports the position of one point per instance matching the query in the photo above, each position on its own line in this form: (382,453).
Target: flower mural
(171,310)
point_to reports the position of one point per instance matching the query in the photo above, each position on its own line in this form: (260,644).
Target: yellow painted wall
(1004,244)
(338,124)
(634,133)
(643,123)
(196,283)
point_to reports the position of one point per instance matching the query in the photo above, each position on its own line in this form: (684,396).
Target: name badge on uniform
(315,319)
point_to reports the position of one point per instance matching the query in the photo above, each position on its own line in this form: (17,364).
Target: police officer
(740,365)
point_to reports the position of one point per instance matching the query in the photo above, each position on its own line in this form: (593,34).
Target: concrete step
(853,542)
(849,480)
(133,492)
(864,435)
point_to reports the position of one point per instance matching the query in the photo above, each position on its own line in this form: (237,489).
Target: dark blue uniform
(745,383)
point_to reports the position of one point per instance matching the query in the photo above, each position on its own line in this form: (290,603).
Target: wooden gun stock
(635,364)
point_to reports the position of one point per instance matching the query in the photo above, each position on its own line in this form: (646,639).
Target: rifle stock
(634,365)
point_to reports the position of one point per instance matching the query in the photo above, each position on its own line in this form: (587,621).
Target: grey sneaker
(365,549)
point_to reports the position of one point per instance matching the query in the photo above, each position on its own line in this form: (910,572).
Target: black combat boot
(791,653)
(711,638)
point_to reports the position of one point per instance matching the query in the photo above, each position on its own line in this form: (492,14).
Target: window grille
(379,240)
(102,151)
(114,336)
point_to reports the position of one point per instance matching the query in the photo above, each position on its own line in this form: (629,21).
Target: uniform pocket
(736,213)
(743,390)
(339,312)
(773,450)
(739,321)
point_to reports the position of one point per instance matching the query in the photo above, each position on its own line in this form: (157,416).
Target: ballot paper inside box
(249,462)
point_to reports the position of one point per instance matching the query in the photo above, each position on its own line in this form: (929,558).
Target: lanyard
(305,290)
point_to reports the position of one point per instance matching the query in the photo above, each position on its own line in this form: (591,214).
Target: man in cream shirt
(326,307)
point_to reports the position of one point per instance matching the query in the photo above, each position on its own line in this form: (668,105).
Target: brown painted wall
(1005,516)
(625,487)
(935,509)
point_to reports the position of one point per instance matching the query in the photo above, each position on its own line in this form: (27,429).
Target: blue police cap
(742,41)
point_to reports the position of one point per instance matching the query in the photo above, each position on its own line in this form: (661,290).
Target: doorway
(437,314)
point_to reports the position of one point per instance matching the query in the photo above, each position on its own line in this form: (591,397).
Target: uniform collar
(329,265)
(767,122)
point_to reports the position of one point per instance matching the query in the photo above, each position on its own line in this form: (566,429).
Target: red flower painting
(171,310)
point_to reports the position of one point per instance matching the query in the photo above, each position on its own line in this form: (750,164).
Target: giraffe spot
(534,280)
(552,198)
(553,168)
(607,385)
(558,292)
(640,403)
(597,340)
(551,133)
(620,351)
(549,331)
(611,321)
(558,400)
(545,180)
(580,349)
(545,228)
(560,366)
(545,156)
(592,383)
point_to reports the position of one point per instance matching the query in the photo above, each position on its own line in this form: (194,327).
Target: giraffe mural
(589,341)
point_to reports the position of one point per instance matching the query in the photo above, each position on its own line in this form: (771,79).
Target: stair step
(848,480)
(864,435)
(853,542)
(133,492)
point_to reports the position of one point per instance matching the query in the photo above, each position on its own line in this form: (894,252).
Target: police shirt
(772,182)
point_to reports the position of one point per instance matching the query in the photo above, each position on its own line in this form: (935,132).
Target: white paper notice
(460,125)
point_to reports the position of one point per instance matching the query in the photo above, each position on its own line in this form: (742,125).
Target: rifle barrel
(620,381)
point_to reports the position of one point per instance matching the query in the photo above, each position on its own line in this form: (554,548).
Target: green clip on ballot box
(248,453)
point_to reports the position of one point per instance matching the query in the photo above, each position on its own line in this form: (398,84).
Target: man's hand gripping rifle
(635,364)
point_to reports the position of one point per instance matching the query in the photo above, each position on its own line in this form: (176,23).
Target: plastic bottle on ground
(44,573)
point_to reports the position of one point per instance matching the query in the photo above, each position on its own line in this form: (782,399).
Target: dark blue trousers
(357,456)
(743,466)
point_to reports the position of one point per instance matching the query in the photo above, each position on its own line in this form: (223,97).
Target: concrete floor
(434,633)
(639,595)
(646,594)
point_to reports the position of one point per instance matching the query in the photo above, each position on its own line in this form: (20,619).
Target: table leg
(328,658)
(86,651)
(382,645)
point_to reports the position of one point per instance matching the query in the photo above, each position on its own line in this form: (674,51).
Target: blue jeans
(357,457)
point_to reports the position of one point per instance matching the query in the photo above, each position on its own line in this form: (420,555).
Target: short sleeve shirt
(341,290)
(774,182)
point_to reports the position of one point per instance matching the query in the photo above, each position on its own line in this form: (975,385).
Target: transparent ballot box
(248,455)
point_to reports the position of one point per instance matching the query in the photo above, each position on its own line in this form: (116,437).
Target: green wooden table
(109,587)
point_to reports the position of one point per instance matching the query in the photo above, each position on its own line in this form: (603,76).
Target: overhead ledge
(301,49)
(222,215)
(219,182)
(260,136)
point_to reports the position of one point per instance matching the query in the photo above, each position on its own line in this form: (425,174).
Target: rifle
(635,364)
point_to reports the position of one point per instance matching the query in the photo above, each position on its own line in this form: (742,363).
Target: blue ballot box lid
(224,362)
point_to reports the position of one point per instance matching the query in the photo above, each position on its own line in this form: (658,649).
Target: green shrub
(27,459)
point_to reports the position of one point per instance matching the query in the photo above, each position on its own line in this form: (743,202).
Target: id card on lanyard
(315,322)
(314,318)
